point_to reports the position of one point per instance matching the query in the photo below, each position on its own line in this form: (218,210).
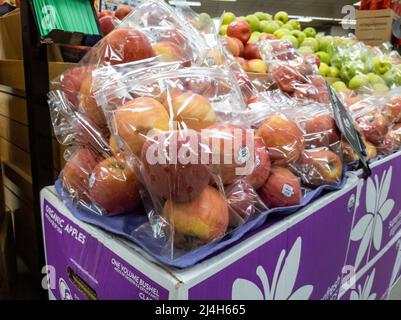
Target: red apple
(232,46)
(113,186)
(190,109)
(325,127)
(261,171)
(374,126)
(251,51)
(228,145)
(88,105)
(176,36)
(320,166)
(240,30)
(349,154)
(172,165)
(123,11)
(77,171)
(312,59)
(198,221)
(243,203)
(282,189)
(283,139)
(136,118)
(71,81)
(107,24)
(169,51)
(287,78)
(124,45)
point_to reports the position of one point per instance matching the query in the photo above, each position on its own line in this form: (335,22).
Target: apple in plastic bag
(88,105)
(113,186)
(373,126)
(173,167)
(392,109)
(71,81)
(136,118)
(243,203)
(287,78)
(325,125)
(107,24)
(77,171)
(169,51)
(199,221)
(282,188)
(233,154)
(234,46)
(123,11)
(189,109)
(283,139)
(261,170)
(124,45)
(320,167)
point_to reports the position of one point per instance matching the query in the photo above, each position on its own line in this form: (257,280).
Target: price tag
(346,126)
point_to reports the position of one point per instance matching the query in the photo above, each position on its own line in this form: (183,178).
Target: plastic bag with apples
(182,130)
(294,74)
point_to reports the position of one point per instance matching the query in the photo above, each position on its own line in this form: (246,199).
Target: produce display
(166,121)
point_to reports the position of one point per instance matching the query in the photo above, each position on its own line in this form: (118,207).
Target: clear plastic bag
(182,130)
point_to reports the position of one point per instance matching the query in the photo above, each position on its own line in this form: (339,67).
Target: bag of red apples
(378,118)
(295,75)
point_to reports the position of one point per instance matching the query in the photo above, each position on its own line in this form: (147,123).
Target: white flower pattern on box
(364,293)
(369,229)
(282,285)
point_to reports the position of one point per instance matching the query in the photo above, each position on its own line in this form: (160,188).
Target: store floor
(25,287)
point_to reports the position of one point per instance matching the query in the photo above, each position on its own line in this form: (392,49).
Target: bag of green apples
(183,132)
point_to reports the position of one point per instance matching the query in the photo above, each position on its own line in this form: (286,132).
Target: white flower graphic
(369,228)
(363,293)
(282,285)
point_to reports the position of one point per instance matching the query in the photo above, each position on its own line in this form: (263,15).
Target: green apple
(281,16)
(287,26)
(253,22)
(281,33)
(262,16)
(323,56)
(291,39)
(241,18)
(324,42)
(324,69)
(374,78)
(299,35)
(310,32)
(358,81)
(227,18)
(334,72)
(254,37)
(393,76)
(381,66)
(280,23)
(346,72)
(336,61)
(305,50)
(310,42)
(223,29)
(205,19)
(380,88)
(339,85)
(294,24)
(269,26)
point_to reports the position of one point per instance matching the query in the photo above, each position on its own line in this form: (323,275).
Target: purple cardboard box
(308,255)
(278,262)
(376,279)
(377,218)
